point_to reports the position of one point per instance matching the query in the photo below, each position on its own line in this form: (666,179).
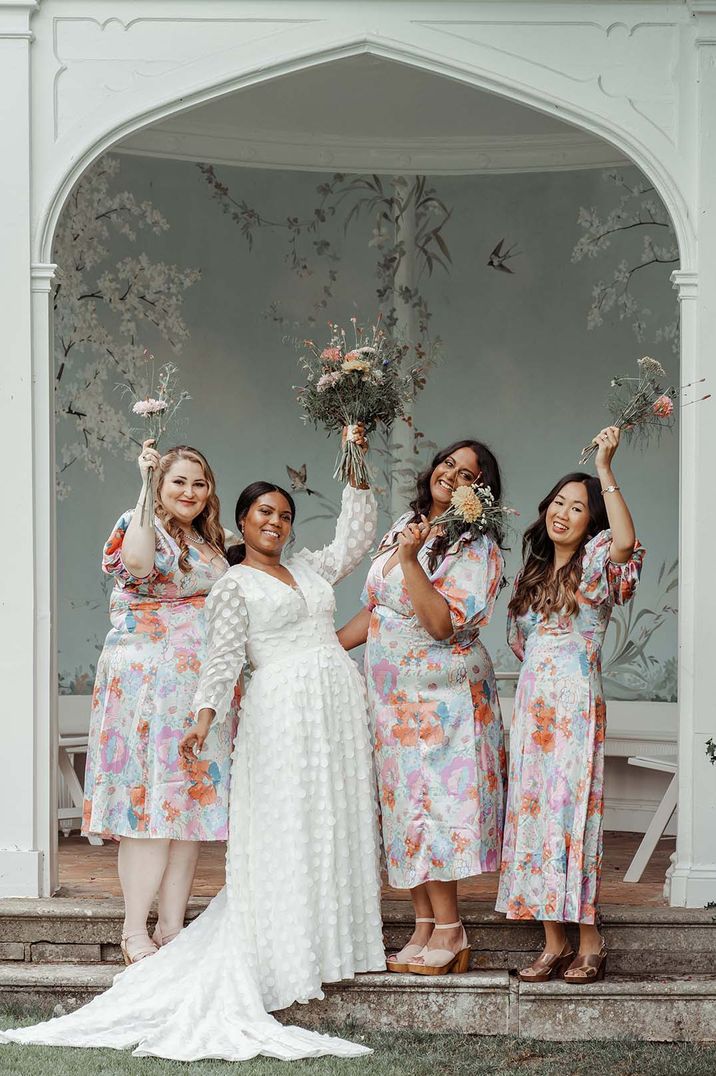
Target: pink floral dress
(136,783)
(552,849)
(439,742)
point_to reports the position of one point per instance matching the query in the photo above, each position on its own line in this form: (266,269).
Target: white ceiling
(364,112)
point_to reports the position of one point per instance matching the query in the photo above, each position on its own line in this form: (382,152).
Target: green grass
(399,1053)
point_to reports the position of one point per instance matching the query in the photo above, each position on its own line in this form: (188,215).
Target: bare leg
(443,898)
(175,888)
(141,864)
(423,910)
(555,936)
(590,940)
(421,932)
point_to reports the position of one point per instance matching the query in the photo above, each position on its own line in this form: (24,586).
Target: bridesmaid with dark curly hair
(433,701)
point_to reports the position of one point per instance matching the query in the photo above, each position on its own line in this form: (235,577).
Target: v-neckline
(296,588)
(390,571)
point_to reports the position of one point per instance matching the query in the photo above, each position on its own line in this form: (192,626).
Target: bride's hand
(356,434)
(192,742)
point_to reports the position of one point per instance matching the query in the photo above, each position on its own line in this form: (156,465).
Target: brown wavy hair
(422,502)
(207,522)
(539,587)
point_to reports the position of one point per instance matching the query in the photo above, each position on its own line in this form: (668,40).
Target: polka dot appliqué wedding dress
(301,905)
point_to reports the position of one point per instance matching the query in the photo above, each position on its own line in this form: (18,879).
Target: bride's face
(267,524)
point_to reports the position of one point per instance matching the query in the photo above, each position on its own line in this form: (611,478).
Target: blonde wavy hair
(207,523)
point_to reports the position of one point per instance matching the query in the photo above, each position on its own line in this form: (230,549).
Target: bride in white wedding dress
(301,905)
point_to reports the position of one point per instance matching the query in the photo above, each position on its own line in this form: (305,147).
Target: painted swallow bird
(498,257)
(298,480)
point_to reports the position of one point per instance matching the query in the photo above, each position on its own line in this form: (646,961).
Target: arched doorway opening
(535,148)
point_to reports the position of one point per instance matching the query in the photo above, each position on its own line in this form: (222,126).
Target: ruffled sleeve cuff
(605,581)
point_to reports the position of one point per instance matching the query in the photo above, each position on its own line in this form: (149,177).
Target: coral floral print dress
(552,851)
(439,742)
(136,783)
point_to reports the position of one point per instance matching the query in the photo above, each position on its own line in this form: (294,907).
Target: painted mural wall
(527,292)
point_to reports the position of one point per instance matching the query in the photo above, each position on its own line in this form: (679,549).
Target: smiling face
(267,524)
(567,518)
(462,468)
(184,490)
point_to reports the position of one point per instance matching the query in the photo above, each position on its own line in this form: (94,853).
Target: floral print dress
(552,850)
(136,782)
(438,736)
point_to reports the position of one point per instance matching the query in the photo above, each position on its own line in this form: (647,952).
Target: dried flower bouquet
(364,384)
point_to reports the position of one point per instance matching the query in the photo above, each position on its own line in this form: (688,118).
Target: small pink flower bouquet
(639,405)
(157,405)
(364,384)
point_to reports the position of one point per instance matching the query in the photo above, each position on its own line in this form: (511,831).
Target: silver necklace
(197,539)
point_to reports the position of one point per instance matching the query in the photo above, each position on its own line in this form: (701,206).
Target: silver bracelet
(611,489)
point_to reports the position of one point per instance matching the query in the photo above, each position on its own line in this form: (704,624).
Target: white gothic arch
(94,71)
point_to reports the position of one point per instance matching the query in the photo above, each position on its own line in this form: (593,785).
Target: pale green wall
(519,368)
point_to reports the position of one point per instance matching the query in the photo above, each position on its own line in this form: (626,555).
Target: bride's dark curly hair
(489,476)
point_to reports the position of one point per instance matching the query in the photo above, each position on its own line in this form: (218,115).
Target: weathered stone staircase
(661,983)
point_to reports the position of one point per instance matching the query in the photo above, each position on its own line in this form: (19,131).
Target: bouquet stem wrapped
(360,385)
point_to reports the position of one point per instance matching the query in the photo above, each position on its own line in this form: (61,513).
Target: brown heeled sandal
(589,968)
(547,966)
(399,961)
(443,961)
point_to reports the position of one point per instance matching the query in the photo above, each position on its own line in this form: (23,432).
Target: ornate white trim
(42,275)
(431,156)
(686,283)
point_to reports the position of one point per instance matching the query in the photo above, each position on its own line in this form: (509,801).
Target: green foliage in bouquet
(368,383)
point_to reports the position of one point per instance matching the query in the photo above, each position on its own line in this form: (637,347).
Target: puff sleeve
(112,563)
(227,623)
(469,581)
(355,533)
(602,579)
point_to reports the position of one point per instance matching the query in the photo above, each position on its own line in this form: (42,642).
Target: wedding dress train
(301,905)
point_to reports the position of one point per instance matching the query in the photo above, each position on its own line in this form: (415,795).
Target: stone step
(642,941)
(479,1002)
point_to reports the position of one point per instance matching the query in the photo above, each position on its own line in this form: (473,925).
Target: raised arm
(355,534)
(620,521)
(139,539)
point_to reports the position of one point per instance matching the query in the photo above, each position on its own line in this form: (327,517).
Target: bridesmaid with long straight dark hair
(581,559)
(433,701)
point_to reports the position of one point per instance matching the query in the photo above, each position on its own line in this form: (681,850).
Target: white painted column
(693,879)
(45,548)
(406,329)
(22,863)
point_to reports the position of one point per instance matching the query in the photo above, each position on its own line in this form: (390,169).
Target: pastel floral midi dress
(552,849)
(136,782)
(438,736)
